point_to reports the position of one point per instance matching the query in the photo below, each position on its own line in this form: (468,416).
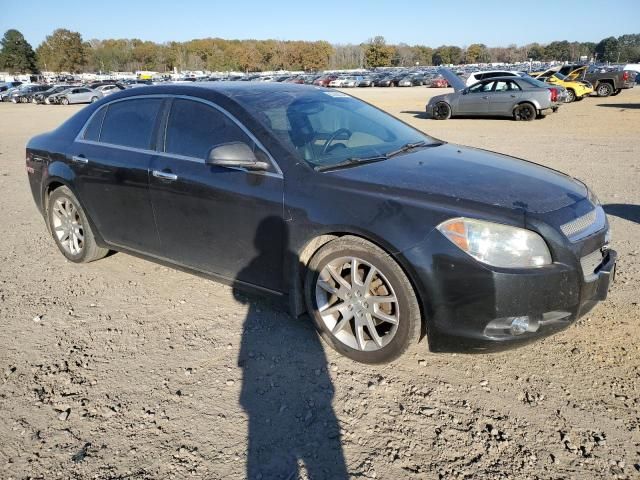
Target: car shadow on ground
(425,116)
(620,105)
(286,390)
(623,210)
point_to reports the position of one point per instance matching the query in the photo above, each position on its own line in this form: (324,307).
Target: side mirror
(465,91)
(235,155)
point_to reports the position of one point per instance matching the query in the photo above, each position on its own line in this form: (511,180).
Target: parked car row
(58,94)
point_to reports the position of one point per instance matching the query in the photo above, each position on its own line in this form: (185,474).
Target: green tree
(16,54)
(608,49)
(377,53)
(424,55)
(63,51)
(477,53)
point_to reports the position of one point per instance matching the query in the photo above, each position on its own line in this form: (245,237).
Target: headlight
(496,244)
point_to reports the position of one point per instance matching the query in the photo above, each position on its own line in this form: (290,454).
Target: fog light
(519,325)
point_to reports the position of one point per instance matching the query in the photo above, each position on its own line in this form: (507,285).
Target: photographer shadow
(286,390)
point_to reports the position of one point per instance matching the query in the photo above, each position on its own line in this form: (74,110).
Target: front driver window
(194,128)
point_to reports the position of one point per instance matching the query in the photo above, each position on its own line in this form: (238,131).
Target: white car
(477,76)
(108,89)
(351,82)
(338,82)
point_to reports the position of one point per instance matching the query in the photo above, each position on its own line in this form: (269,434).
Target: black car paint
(395,204)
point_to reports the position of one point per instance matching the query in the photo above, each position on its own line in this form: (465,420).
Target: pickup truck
(605,80)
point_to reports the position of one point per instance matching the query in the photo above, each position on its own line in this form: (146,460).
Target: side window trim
(277,171)
(164,113)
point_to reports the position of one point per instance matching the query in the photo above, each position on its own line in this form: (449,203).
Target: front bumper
(463,299)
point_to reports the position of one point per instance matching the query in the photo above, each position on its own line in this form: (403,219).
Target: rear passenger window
(130,123)
(194,128)
(92,132)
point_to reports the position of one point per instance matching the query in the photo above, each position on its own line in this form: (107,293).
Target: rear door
(111,160)
(505,94)
(225,221)
(476,100)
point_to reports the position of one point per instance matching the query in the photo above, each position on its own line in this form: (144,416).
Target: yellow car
(576,89)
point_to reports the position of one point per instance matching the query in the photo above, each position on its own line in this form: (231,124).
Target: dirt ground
(126,369)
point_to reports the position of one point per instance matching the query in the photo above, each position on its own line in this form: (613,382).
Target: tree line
(66,51)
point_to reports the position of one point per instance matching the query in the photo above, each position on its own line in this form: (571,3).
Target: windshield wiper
(349,162)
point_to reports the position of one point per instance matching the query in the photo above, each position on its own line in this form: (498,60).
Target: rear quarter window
(92,131)
(130,123)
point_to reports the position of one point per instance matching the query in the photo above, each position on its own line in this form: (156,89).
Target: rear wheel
(442,111)
(571,95)
(94,99)
(361,301)
(524,112)
(64,101)
(604,90)
(70,228)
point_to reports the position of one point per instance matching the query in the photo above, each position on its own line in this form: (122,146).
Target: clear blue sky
(433,23)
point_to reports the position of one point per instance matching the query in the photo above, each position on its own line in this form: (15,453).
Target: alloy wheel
(67,226)
(357,304)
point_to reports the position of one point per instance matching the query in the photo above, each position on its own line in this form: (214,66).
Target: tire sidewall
(65,192)
(444,117)
(607,89)
(408,306)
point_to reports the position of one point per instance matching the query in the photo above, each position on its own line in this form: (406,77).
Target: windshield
(326,128)
(559,76)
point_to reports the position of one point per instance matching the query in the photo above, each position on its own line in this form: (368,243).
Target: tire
(616,92)
(604,90)
(441,111)
(94,99)
(571,95)
(524,112)
(387,329)
(71,229)
(64,101)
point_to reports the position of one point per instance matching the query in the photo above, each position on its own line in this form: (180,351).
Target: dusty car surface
(380,232)
(521,98)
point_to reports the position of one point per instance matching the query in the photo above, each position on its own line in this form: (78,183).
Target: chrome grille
(586,225)
(590,263)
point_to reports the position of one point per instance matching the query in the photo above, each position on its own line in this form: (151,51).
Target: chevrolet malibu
(382,234)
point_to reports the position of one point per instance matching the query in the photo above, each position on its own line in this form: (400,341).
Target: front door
(214,219)
(476,100)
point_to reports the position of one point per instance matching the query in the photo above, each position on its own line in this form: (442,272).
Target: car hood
(479,176)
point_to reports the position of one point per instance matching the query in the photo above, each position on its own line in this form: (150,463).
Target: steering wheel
(333,136)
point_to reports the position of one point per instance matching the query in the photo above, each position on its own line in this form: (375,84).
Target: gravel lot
(127,369)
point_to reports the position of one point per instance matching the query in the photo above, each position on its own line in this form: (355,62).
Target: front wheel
(361,301)
(70,228)
(442,111)
(64,101)
(604,90)
(524,112)
(94,99)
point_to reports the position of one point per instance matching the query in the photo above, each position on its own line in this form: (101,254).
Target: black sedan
(381,233)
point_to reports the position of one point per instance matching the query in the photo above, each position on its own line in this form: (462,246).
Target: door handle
(486,97)
(165,175)
(80,159)
(513,96)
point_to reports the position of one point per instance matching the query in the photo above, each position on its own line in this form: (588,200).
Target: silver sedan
(522,98)
(76,95)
